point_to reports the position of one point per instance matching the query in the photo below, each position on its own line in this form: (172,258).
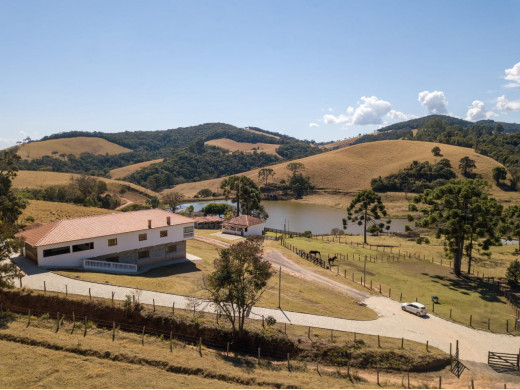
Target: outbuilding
(244,225)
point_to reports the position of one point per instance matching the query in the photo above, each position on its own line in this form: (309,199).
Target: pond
(299,217)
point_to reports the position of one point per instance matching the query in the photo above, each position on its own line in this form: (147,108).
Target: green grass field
(419,280)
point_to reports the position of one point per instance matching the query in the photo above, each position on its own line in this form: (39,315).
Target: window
(83,247)
(188,231)
(171,248)
(164,233)
(56,251)
(143,237)
(113,259)
(112,241)
(143,254)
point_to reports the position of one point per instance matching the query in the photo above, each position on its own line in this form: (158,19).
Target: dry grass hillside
(350,169)
(43,179)
(229,144)
(46,212)
(75,146)
(129,169)
(339,144)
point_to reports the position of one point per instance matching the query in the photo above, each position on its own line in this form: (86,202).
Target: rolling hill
(43,179)
(66,146)
(351,168)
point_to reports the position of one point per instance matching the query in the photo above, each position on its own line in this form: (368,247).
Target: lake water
(299,217)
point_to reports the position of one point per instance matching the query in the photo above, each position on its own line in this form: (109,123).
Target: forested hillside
(186,158)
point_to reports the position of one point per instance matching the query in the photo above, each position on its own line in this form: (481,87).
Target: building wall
(255,230)
(126,242)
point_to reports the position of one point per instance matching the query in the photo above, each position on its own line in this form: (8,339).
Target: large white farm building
(118,242)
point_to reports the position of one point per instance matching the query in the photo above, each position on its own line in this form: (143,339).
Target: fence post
(113,297)
(471,320)
(472,383)
(379,288)
(85,331)
(171,341)
(73,323)
(507,326)
(378,342)
(309,333)
(427,349)
(401,297)
(142,336)
(153,300)
(440,382)
(378,375)
(402,343)
(355,336)
(389,292)
(489,324)
(44,288)
(66,290)
(345,271)
(173,308)
(258,355)
(331,335)
(200,346)
(450,314)
(113,330)
(288,361)
(57,321)
(89,294)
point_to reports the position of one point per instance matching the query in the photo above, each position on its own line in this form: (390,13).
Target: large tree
(239,280)
(462,212)
(511,223)
(245,193)
(10,209)
(467,165)
(499,173)
(366,207)
(173,200)
(265,173)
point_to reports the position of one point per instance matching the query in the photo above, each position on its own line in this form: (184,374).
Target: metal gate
(457,368)
(504,362)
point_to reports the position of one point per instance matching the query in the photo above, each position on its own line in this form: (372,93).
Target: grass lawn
(420,280)
(186,279)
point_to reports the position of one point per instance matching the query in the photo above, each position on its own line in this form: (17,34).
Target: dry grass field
(75,146)
(43,179)
(69,360)
(350,169)
(229,144)
(46,212)
(119,173)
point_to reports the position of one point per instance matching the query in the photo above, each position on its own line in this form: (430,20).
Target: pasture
(45,212)
(119,173)
(232,146)
(420,279)
(75,146)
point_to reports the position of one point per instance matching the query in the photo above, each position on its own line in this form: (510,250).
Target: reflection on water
(299,217)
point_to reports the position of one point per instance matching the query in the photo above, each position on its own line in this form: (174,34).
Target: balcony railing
(109,266)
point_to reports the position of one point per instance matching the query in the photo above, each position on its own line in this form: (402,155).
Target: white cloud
(393,114)
(435,101)
(313,124)
(330,109)
(513,74)
(477,111)
(503,104)
(333,119)
(370,111)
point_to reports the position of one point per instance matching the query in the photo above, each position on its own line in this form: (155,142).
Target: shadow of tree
(466,286)
(171,270)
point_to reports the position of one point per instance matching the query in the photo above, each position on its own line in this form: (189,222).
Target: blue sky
(321,70)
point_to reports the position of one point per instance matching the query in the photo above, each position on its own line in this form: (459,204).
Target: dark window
(83,247)
(164,233)
(171,248)
(113,259)
(143,237)
(188,231)
(112,241)
(56,251)
(143,254)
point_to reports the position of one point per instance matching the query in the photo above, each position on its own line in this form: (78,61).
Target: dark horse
(332,260)
(315,253)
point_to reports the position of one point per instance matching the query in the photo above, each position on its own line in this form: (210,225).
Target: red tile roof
(244,221)
(84,228)
(207,219)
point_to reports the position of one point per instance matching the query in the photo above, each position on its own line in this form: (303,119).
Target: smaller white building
(244,225)
(118,242)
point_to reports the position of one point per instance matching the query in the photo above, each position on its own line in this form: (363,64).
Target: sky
(322,70)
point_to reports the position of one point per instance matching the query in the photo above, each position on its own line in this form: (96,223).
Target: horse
(315,253)
(332,260)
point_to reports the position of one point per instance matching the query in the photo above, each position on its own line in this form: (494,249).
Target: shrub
(407,228)
(307,233)
(513,273)
(270,320)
